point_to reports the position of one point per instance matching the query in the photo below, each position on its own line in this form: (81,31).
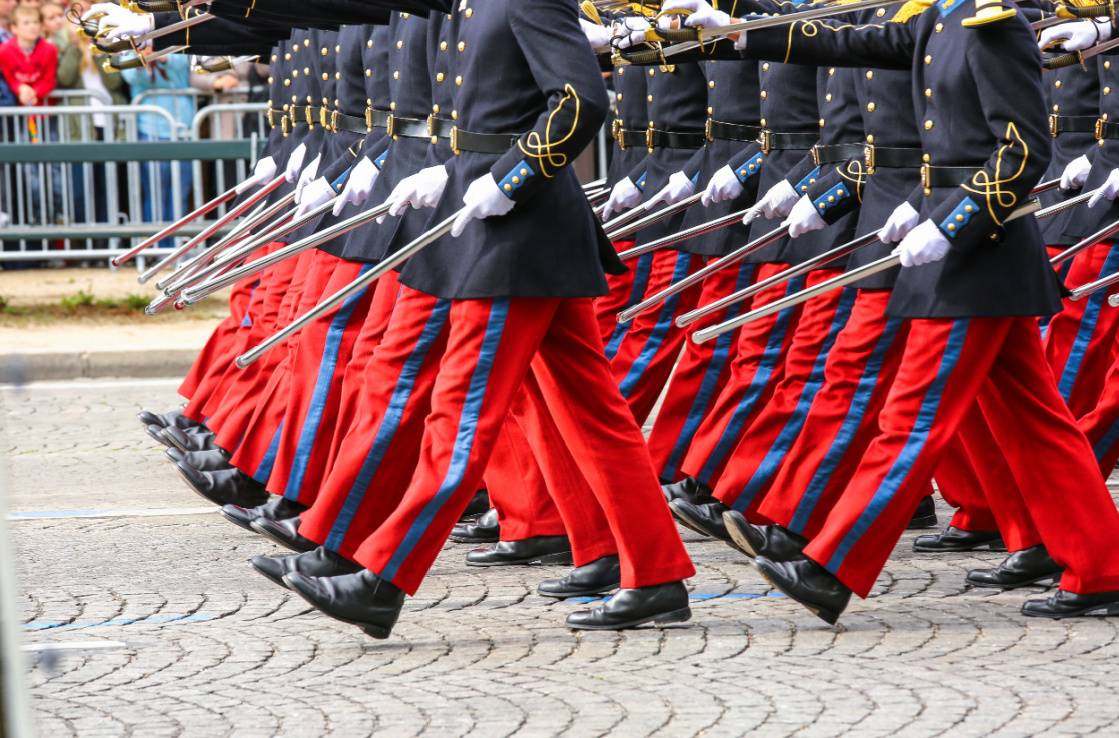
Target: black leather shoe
(175,455)
(1063,604)
(277,508)
(771,541)
(661,604)
(320,562)
(809,584)
(477,507)
(537,550)
(156,434)
(163,420)
(954,539)
(704,518)
(225,486)
(485,529)
(688,489)
(189,440)
(1029,566)
(924,517)
(284,532)
(600,576)
(362,599)
(207,460)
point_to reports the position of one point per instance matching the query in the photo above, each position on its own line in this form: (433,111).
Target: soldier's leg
(625,290)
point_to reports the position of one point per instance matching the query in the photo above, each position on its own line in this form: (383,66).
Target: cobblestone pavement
(194,643)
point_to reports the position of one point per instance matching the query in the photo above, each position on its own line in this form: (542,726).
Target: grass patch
(84,303)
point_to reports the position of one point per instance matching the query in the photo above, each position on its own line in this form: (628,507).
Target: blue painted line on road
(38,625)
(694,597)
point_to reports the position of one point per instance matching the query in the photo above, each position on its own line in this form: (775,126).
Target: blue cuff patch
(959,217)
(339,183)
(379,162)
(751,167)
(516,178)
(947,7)
(803,185)
(640,183)
(832,197)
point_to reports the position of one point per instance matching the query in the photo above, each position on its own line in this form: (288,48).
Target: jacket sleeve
(838,189)
(979,206)
(747,162)
(882,45)
(568,76)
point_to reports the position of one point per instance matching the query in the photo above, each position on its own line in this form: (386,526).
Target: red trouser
(1102,424)
(318,359)
(1080,340)
(758,366)
(490,345)
(947,365)
(700,374)
(517,487)
(651,345)
(625,290)
(767,439)
(218,351)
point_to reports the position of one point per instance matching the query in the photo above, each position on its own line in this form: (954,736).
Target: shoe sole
(1097,611)
(688,522)
(738,540)
(561,559)
(197,491)
(827,616)
(244,524)
(278,541)
(995,546)
(373,631)
(269,577)
(158,438)
(601,591)
(682,615)
(465,539)
(1050,579)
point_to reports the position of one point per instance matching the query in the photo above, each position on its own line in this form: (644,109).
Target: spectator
(28,62)
(169,73)
(7,97)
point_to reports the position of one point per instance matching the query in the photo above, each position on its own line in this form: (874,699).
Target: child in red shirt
(27,61)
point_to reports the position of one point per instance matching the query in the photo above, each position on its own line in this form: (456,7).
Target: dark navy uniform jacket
(631,116)
(522,69)
(1104,153)
(1073,98)
(977,94)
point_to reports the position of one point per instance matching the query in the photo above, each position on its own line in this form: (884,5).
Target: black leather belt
(833,153)
(656,138)
(627,137)
(1059,124)
(723,131)
(892,157)
(439,127)
(407,127)
(274,115)
(774,141)
(309,114)
(481,143)
(945,176)
(351,123)
(1106,129)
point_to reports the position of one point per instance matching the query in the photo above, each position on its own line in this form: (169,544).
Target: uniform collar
(947,7)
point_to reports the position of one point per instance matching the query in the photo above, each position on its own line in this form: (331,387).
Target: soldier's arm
(1011,105)
(218,36)
(568,76)
(838,189)
(748,162)
(885,45)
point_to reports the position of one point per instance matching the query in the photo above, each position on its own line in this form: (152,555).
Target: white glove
(1076,35)
(629,31)
(778,201)
(724,185)
(900,223)
(316,193)
(482,199)
(307,176)
(1107,190)
(420,190)
(923,245)
(264,171)
(624,196)
(700,13)
(803,218)
(598,36)
(295,163)
(679,187)
(1076,172)
(105,12)
(358,184)
(129,25)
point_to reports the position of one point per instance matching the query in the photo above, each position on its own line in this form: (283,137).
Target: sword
(695,278)
(1084,243)
(138,41)
(118,261)
(232,214)
(867,270)
(1043,187)
(594,184)
(598,197)
(618,221)
(697,230)
(653,217)
(123,61)
(1085,290)
(1077,57)
(391,262)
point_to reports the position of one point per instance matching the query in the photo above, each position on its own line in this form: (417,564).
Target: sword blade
(654,217)
(193,215)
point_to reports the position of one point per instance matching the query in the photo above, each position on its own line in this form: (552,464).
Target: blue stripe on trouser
(1109,439)
(770,359)
(640,283)
(1087,328)
(310,428)
(247,321)
(771,462)
(660,330)
(710,381)
(264,470)
(856,412)
(390,423)
(464,437)
(914,444)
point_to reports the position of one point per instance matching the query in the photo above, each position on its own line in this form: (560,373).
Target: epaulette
(988,12)
(911,9)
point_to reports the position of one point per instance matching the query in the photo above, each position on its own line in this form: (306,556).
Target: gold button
(295,73)
(392,106)
(1057,83)
(435,108)
(462,46)
(442,45)
(270,80)
(1107,90)
(620,96)
(325,76)
(273,57)
(287,83)
(369,44)
(649,98)
(396,74)
(840,193)
(821,205)
(765,67)
(831,72)
(711,84)
(880,12)
(710,110)
(337,75)
(926,158)
(831,198)
(870,107)
(324,51)
(524,172)
(516,180)
(1056,108)
(440,77)
(870,74)
(454,115)
(928,92)
(469,12)
(928,125)
(764,94)
(1107,65)
(938,27)
(821,122)
(287,56)
(508,188)
(338,48)
(762,121)
(368,72)
(458,80)
(741,172)
(969,208)
(307,42)
(400,44)
(752,167)
(870,139)
(812,181)
(827,97)
(960,218)
(951,226)
(306,70)
(652,72)
(928,58)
